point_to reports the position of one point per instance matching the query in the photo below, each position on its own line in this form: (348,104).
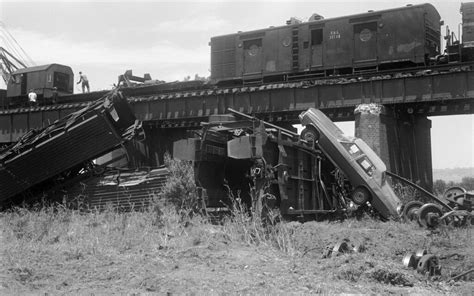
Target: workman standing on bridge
(84,80)
(32,97)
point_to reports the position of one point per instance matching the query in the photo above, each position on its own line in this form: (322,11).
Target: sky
(169,40)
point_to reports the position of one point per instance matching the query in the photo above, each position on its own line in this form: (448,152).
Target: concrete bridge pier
(402,139)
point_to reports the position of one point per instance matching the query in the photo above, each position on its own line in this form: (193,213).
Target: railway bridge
(390,112)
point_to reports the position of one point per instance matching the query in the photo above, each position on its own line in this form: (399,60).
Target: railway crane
(12,56)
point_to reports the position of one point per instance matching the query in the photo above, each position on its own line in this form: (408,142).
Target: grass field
(165,248)
(61,252)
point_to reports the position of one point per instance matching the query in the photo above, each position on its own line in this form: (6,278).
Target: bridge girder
(431,95)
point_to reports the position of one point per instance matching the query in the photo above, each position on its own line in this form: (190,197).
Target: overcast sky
(170,40)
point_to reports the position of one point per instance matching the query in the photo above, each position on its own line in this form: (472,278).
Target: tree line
(440,186)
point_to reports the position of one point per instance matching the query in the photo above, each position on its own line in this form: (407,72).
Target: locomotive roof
(406,7)
(357,15)
(38,68)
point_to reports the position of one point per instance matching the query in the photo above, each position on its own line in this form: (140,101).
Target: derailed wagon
(44,158)
(260,162)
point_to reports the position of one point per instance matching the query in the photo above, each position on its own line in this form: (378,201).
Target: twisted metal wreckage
(319,173)
(315,174)
(62,152)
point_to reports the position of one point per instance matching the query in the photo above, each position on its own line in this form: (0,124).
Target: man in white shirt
(32,98)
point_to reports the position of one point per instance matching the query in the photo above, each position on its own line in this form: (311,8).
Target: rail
(432,196)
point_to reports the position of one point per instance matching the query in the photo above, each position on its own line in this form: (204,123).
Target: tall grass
(173,221)
(249,226)
(243,225)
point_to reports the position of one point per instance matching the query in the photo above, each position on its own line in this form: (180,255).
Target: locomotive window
(316,37)
(252,43)
(372,26)
(16,78)
(61,81)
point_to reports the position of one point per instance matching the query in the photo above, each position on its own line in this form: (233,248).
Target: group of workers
(33,97)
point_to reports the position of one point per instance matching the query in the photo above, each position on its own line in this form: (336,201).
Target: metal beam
(448,93)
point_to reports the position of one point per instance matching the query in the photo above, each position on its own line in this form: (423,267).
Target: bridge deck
(430,94)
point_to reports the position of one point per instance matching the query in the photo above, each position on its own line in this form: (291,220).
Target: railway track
(162,91)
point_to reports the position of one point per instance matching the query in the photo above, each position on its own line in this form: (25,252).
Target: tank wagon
(376,40)
(46,81)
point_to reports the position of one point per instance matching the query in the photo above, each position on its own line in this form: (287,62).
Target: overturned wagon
(257,161)
(44,158)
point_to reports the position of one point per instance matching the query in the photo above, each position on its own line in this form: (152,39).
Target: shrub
(407,193)
(180,188)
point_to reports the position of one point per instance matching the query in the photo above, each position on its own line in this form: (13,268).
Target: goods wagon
(376,40)
(256,161)
(42,158)
(241,159)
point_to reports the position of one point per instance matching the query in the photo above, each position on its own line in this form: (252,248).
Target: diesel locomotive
(389,39)
(386,41)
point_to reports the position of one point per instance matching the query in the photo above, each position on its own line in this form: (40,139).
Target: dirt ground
(207,259)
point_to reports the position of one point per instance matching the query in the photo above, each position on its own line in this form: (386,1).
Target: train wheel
(410,211)
(360,196)
(452,192)
(340,248)
(452,195)
(429,214)
(421,252)
(410,260)
(429,264)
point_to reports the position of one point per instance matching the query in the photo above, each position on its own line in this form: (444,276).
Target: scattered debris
(411,260)
(424,263)
(455,208)
(462,275)
(429,265)
(343,247)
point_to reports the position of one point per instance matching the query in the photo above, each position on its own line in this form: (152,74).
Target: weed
(388,277)
(179,189)
(253,228)
(407,193)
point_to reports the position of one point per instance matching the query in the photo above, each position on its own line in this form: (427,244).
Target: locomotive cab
(46,81)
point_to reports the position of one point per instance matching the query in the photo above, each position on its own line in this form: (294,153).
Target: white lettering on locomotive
(334,35)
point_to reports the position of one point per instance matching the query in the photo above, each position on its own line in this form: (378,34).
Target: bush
(180,188)
(407,193)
